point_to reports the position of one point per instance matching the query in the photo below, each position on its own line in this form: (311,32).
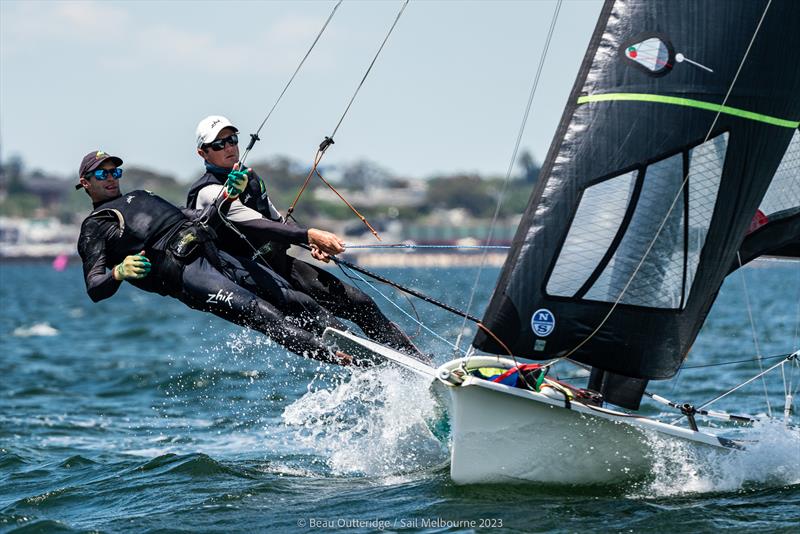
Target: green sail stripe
(677,101)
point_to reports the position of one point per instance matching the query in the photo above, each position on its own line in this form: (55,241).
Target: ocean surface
(137,414)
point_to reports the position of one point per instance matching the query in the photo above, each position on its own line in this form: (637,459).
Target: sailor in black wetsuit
(157,247)
(259,225)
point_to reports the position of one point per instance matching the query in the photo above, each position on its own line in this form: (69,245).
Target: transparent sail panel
(784,191)
(659,280)
(705,171)
(596,222)
(651,53)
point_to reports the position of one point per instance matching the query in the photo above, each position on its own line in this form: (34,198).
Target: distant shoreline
(401,259)
(374,260)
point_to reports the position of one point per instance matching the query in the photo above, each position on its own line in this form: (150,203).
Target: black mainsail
(677,159)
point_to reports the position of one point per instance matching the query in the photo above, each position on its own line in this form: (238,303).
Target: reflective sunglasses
(102,174)
(219,144)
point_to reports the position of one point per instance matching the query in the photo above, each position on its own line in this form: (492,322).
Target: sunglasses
(219,144)
(102,174)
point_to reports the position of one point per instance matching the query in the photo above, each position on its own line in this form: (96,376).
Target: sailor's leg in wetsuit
(205,288)
(344,301)
(300,308)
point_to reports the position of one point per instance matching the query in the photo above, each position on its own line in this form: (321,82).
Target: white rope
(333,11)
(709,403)
(753,330)
(511,163)
(374,59)
(759,375)
(393,303)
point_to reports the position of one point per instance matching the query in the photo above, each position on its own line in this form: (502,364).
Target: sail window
(597,221)
(656,281)
(705,172)
(653,54)
(784,191)
(602,256)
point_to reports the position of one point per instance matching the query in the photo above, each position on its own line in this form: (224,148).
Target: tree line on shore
(32,193)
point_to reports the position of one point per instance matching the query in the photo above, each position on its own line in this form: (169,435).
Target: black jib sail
(675,128)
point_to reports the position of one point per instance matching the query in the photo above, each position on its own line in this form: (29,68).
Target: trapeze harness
(188,266)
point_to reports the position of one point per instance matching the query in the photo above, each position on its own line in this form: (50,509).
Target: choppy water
(137,414)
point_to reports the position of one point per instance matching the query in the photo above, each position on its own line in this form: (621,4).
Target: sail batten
(649,190)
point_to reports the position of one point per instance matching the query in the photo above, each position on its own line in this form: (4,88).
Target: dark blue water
(139,415)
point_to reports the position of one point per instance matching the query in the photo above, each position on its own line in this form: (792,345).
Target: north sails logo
(543,322)
(220,297)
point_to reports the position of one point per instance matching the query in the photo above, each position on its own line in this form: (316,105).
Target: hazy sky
(135,77)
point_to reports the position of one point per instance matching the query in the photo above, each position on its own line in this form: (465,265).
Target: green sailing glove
(132,267)
(237,181)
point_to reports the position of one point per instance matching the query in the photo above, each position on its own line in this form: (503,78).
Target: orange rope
(497,339)
(352,208)
(317,159)
(314,170)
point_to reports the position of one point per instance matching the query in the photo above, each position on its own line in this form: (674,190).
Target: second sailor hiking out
(260,229)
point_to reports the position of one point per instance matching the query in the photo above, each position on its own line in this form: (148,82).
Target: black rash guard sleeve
(261,231)
(100,283)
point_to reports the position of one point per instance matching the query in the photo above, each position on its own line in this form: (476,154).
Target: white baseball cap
(208,129)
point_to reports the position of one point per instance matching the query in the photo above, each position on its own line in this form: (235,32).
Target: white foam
(373,424)
(38,329)
(771,458)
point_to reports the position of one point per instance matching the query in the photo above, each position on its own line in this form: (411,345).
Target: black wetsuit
(271,235)
(186,265)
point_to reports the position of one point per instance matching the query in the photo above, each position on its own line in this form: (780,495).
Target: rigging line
(734,362)
(792,356)
(739,70)
(753,330)
(328,141)
(783,375)
(796,346)
(420,323)
(797,315)
(254,137)
(408,299)
(513,160)
(678,195)
(397,18)
(422,296)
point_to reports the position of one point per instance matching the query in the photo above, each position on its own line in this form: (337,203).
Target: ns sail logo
(543,322)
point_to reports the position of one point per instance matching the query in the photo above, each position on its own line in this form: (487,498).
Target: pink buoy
(60,262)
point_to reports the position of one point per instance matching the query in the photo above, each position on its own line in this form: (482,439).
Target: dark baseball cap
(93,160)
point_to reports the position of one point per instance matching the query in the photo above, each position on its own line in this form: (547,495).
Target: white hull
(503,438)
(506,434)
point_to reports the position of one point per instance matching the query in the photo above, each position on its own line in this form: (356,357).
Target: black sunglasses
(219,144)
